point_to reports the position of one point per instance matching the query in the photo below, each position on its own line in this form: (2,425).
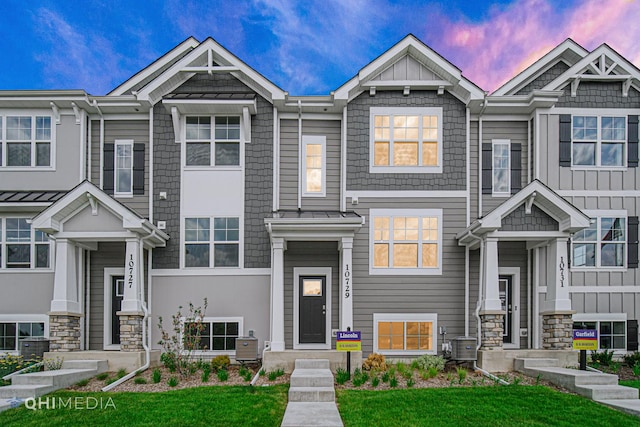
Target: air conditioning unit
(246,349)
(464,349)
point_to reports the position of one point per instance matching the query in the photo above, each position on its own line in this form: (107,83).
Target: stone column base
(557,330)
(130,331)
(64,332)
(492,327)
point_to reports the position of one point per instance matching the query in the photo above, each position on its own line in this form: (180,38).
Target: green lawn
(631,383)
(203,406)
(475,406)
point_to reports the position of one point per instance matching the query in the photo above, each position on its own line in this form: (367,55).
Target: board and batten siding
(138,131)
(441,294)
(289,142)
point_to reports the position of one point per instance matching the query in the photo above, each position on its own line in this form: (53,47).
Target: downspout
(299,154)
(484,107)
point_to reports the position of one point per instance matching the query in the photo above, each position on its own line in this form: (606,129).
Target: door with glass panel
(313,309)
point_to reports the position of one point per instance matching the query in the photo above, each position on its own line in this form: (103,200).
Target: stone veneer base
(64,332)
(492,325)
(557,331)
(130,331)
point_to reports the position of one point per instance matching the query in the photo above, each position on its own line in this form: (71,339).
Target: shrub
(604,357)
(342,376)
(205,375)
(121,373)
(82,383)
(157,376)
(632,359)
(375,381)
(410,382)
(462,375)
(10,364)
(245,373)
(219,363)
(169,361)
(376,362)
(103,376)
(173,381)
(393,382)
(414,365)
(386,376)
(53,364)
(139,380)
(401,367)
(223,375)
(360,378)
(262,372)
(428,361)
(636,370)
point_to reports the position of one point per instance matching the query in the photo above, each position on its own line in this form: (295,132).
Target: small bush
(428,361)
(53,364)
(246,374)
(615,367)
(375,381)
(632,359)
(360,378)
(401,367)
(374,361)
(205,376)
(157,376)
(636,370)
(342,376)
(103,376)
(262,372)
(462,375)
(82,383)
(139,380)
(386,376)
(407,375)
(410,382)
(393,382)
(603,358)
(414,365)
(110,381)
(432,372)
(223,375)
(219,363)
(169,361)
(173,381)
(121,373)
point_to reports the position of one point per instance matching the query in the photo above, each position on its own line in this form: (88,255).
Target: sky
(308,47)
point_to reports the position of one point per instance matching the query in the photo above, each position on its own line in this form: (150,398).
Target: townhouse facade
(408,204)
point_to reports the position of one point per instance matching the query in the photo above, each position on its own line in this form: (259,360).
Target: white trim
(392,111)
(32,114)
(514,272)
(596,317)
(276,159)
(591,111)
(32,246)
(207,319)
(630,289)
(417,317)
(392,213)
(116,143)
(597,215)
(495,142)
(599,141)
(599,193)
(314,140)
(311,116)
(212,141)
(418,194)
(109,273)
(228,271)
(343,160)
(311,271)
(211,242)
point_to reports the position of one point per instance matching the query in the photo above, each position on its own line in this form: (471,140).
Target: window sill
(213,168)
(600,168)
(405,271)
(25,270)
(501,195)
(123,196)
(27,168)
(405,352)
(314,195)
(598,269)
(405,169)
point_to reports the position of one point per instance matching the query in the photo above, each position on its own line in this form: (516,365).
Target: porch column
(64,317)
(346,283)
(557,321)
(491,313)
(131,314)
(277,294)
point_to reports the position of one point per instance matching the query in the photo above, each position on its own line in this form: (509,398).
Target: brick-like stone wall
(64,333)
(544,79)
(130,332)
(538,220)
(491,329)
(599,95)
(454,143)
(557,331)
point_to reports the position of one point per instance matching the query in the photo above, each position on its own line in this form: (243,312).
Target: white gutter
(343,162)
(299,154)
(276,160)
(484,107)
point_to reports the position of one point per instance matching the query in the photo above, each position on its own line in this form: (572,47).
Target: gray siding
(544,79)
(26,293)
(599,95)
(613,302)
(537,220)
(453,176)
(310,254)
(289,164)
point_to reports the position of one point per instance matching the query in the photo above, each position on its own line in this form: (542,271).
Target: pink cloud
(491,52)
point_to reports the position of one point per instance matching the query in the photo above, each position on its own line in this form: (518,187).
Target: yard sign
(348,341)
(585,339)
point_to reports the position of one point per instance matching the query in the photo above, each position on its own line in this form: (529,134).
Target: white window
(405,140)
(11,333)
(403,333)
(200,240)
(25,141)
(501,182)
(123,167)
(218,148)
(611,327)
(599,140)
(603,244)
(405,241)
(218,334)
(22,247)
(314,154)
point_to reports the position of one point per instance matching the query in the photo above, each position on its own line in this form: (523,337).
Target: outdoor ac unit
(463,348)
(246,349)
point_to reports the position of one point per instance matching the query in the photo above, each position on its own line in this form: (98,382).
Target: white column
(65,282)
(346,284)
(277,294)
(557,299)
(131,302)
(491,300)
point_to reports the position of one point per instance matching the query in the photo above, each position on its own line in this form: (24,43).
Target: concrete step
(61,378)
(312,394)
(630,406)
(535,363)
(607,392)
(311,378)
(312,364)
(595,378)
(99,366)
(312,414)
(23,391)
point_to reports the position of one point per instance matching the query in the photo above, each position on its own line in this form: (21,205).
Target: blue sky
(305,47)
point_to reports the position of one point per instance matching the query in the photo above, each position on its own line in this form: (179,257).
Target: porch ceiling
(313,225)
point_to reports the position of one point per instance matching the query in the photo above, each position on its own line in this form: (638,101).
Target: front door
(505,284)
(313,309)
(117,295)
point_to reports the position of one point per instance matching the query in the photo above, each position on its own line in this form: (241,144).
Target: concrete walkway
(312,396)
(602,388)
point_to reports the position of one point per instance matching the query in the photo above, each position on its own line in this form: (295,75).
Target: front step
(519,364)
(311,414)
(61,378)
(22,391)
(312,364)
(311,378)
(607,392)
(99,366)
(312,394)
(630,406)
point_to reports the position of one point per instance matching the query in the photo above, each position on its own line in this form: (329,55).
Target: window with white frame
(599,140)
(407,334)
(124,167)
(314,155)
(218,148)
(501,183)
(603,244)
(11,333)
(217,334)
(406,139)
(612,334)
(199,240)
(21,246)
(407,241)
(25,141)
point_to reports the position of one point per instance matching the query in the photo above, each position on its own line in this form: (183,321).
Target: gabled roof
(444,75)
(570,219)
(603,64)
(87,194)
(208,57)
(568,52)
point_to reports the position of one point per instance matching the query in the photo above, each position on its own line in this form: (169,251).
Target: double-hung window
(612,329)
(11,333)
(406,140)
(217,334)
(205,247)
(218,148)
(25,141)
(22,247)
(501,182)
(603,244)
(124,167)
(599,140)
(408,334)
(314,176)
(406,241)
